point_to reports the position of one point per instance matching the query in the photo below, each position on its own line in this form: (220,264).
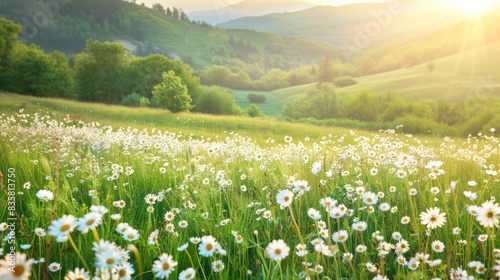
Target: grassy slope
(187,39)
(196,124)
(454,78)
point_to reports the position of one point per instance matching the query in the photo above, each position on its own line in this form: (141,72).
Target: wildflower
(472,183)
(488,214)
(169,216)
(314,214)
(347,257)
(40,232)
(456,231)
(116,217)
(384,207)
(187,274)
(318,269)
(238,239)
(361,248)
(482,237)
(208,246)
(131,234)
(360,226)
(396,235)
(25,246)
(437,246)
(89,221)
(164,266)
(54,267)
(328,203)
(153,238)
(62,226)
(45,195)
(107,258)
(77,274)
(284,198)
(413,264)
(19,268)
(369,198)
(340,236)
(170,227)
(301,250)
(470,195)
(125,271)
(337,212)
(371,267)
(183,224)
(195,240)
(277,250)
(402,247)
(316,168)
(432,218)
(413,192)
(101,210)
(217,266)
(405,220)
(183,247)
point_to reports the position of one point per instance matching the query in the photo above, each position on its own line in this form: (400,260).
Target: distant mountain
(360,25)
(221,13)
(146,30)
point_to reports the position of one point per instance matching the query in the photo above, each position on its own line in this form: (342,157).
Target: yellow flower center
(166,266)
(18,270)
(209,247)
(90,222)
(277,251)
(110,261)
(64,227)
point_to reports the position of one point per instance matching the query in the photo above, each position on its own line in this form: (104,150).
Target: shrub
(133,99)
(253,111)
(216,100)
(344,81)
(256,98)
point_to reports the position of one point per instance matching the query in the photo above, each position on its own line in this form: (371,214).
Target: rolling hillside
(361,25)
(150,30)
(455,77)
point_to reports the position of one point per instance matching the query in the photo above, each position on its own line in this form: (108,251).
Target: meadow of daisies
(102,202)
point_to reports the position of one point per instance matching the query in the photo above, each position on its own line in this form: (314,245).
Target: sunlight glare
(471,8)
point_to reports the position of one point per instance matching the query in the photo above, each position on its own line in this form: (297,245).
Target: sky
(201,5)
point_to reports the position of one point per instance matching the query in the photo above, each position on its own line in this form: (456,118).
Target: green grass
(455,78)
(227,186)
(187,123)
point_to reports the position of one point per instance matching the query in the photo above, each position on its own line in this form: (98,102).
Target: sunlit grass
(144,164)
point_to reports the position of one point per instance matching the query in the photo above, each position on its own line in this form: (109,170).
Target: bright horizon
(201,5)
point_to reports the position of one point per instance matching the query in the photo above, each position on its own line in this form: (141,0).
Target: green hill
(146,30)
(455,77)
(343,26)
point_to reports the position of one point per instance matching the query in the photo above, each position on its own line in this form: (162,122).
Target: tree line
(326,104)
(106,72)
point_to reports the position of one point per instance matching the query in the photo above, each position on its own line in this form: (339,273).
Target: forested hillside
(67,25)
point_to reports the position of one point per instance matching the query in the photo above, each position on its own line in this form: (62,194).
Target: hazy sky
(200,5)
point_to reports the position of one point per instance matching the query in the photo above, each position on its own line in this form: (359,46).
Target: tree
(325,72)
(100,72)
(159,7)
(172,94)
(361,106)
(253,111)
(217,100)
(8,38)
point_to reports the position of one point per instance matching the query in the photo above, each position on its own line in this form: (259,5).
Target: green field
(454,78)
(149,194)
